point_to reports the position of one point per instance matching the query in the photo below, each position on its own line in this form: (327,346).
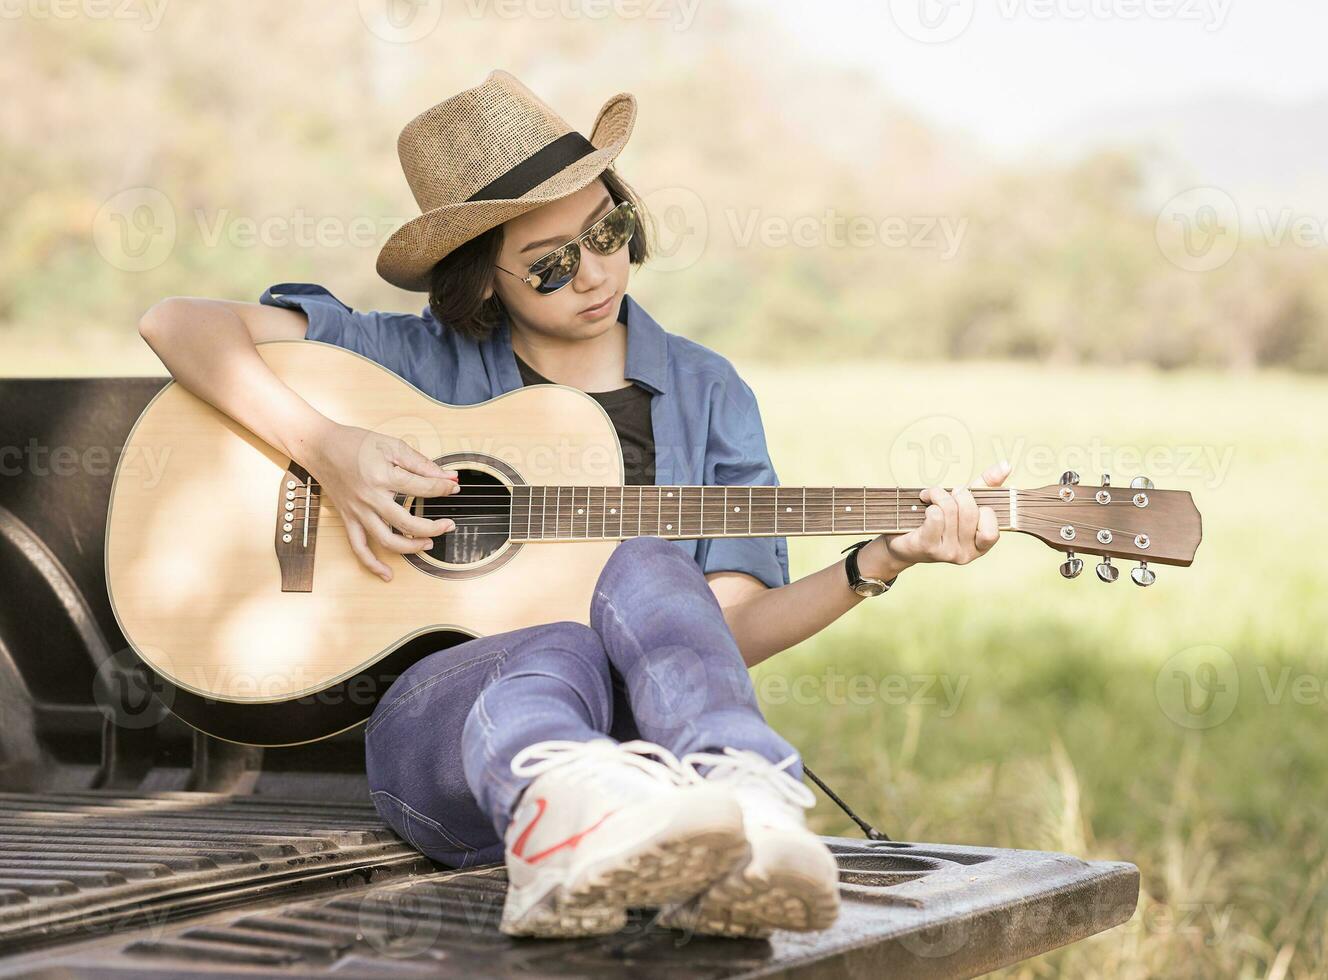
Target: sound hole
(482,509)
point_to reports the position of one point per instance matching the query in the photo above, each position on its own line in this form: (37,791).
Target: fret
(657,503)
(544,509)
(701,495)
(726,510)
(639,508)
(864,508)
(680,510)
(898,526)
(712,497)
(804,510)
(750,529)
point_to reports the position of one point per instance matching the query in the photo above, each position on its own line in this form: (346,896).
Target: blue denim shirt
(705,418)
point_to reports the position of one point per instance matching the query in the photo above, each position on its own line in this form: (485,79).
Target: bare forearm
(207,349)
(776,619)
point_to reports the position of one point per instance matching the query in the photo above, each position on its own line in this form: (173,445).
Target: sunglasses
(551,272)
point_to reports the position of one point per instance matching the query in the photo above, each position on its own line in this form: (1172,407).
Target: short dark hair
(458,281)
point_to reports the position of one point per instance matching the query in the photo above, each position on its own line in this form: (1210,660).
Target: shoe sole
(802,895)
(702,841)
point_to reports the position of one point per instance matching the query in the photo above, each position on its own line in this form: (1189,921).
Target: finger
(988,530)
(415,485)
(994,475)
(359,544)
(966,519)
(943,499)
(383,534)
(412,459)
(396,516)
(933,527)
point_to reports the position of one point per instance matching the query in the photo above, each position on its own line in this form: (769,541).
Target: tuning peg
(1072,566)
(1141,483)
(1069,478)
(1106,571)
(1106,479)
(1143,576)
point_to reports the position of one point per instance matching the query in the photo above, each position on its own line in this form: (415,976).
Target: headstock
(1136,522)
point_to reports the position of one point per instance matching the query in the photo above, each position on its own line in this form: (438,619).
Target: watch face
(869,587)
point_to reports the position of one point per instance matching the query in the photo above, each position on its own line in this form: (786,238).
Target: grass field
(998,704)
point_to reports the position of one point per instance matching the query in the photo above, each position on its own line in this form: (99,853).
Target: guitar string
(697,509)
(813,528)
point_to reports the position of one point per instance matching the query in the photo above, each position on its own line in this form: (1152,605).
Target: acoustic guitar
(234,582)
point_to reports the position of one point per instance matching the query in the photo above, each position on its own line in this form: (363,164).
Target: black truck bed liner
(131,846)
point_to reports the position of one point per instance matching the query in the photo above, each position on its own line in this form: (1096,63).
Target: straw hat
(484,156)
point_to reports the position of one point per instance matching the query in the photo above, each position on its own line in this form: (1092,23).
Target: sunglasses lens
(613,231)
(609,234)
(557,269)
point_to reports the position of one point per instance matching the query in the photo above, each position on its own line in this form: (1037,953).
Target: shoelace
(744,764)
(583,758)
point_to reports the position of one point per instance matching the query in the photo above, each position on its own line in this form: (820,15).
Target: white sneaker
(790,881)
(603,828)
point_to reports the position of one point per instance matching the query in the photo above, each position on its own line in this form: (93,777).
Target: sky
(1013,72)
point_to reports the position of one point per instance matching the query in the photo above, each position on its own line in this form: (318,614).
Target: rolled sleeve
(736,455)
(402,343)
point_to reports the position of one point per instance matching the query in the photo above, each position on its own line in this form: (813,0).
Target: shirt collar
(647,350)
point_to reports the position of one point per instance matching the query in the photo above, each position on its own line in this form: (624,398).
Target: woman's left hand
(954,530)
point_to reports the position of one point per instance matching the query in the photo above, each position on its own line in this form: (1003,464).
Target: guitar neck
(577,513)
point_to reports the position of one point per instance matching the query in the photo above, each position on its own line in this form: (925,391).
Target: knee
(645,547)
(567,650)
(639,560)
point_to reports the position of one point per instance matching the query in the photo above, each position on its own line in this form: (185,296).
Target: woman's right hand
(362,471)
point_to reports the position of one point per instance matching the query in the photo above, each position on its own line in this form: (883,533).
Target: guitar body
(254,652)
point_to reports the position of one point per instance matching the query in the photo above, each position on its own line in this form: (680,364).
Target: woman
(619,764)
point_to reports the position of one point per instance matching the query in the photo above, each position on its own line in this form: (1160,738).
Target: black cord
(871,832)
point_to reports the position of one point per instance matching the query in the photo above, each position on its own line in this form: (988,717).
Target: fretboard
(574,513)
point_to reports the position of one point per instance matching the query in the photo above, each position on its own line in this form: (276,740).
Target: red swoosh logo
(518,849)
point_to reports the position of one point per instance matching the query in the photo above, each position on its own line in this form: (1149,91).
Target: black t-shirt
(629,409)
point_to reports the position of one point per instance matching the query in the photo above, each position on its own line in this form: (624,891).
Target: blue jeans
(656,662)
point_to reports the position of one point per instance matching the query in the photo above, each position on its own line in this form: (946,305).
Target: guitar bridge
(297,528)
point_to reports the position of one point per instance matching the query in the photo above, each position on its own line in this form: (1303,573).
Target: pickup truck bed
(132,846)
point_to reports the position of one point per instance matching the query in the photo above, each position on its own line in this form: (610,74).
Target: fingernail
(1005,464)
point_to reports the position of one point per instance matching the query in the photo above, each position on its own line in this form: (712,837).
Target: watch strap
(851,566)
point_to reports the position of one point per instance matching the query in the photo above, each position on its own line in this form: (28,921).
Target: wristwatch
(862,585)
